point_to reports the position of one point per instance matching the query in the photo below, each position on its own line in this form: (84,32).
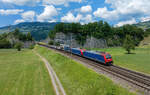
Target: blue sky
(116,12)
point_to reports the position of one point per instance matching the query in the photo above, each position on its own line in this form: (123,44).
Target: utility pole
(71,44)
(9,28)
(81,40)
(90,40)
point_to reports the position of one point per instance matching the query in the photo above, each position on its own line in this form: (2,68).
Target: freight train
(102,57)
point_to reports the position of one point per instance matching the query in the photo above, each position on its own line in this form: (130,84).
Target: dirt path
(55,80)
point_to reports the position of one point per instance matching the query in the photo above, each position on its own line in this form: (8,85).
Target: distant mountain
(39,30)
(143,25)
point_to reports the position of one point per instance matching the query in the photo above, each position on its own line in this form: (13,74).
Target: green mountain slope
(39,30)
(143,25)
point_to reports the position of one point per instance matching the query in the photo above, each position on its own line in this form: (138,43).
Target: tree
(147,32)
(18,46)
(22,37)
(128,44)
(29,37)
(16,33)
(106,29)
(52,34)
(114,36)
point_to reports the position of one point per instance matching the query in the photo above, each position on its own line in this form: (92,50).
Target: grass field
(79,80)
(23,73)
(139,61)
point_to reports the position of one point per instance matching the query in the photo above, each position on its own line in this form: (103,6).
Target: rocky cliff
(69,39)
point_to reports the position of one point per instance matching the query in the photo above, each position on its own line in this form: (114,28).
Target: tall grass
(79,80)
(23,73)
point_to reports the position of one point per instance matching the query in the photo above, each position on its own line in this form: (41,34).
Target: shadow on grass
(130,53)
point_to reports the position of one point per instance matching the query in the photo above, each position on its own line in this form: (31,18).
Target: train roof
(97,52)
(76,48)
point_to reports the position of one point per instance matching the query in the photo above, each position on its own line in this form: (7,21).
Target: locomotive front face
(109,60)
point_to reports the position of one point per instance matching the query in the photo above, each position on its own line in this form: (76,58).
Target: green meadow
(139,60)
(23,73)
(79,80)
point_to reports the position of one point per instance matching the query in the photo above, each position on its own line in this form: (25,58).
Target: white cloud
(34,2)
(10,11)
(144,19)
(87,19)
(21,2)
(132,21)
(130,6)
(124,8)
(71,18)
(60,2)
(48,13)
(28,16)
(86,9)
(83,19)
(19,21)
(59,9)
(51,21)
(104,13)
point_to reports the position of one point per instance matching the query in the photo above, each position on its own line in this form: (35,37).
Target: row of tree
(14,39)
(21,36)
(114,36)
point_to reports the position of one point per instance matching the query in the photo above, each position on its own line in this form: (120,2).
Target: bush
(57,44)
(51,42)
(18,46)
(31,47)
(5,43)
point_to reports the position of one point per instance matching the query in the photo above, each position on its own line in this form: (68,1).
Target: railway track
(136,78)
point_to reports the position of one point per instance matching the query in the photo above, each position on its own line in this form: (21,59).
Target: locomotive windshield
(108,56)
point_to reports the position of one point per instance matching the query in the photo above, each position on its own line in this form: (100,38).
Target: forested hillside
(143,25)
(39,30)
(101,30)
